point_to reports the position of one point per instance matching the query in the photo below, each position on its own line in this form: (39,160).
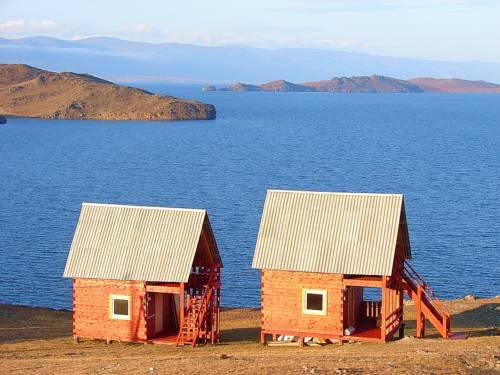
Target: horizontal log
(304,324)
(290,332)
(373,283)
(296,310)
(163,289)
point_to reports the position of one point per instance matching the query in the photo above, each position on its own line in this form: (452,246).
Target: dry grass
(39,341)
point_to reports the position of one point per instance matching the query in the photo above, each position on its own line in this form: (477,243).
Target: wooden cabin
(319,252)
(145,274)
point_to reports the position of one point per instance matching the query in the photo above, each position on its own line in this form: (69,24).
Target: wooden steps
(199,318)
(427,305)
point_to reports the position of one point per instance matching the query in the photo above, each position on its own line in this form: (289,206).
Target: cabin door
(159,312)
(163,314)
(353,300)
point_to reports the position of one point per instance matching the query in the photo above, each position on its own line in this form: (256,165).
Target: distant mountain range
(127,61)
(369,84)
(30,92)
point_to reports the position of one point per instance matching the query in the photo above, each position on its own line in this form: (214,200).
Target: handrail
(198,319)
(203,305)
(410,272)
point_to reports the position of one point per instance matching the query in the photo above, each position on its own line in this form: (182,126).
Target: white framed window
(314,301)
(119,307)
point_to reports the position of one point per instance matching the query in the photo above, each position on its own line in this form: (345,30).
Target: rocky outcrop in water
(455,85)
(30,92)
(372,84)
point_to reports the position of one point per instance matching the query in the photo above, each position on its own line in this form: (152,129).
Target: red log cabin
(145,274)
(318,252)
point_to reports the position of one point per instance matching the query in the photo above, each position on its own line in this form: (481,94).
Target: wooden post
(383,313)
(218,314)
(418,314)
(181,306)
(262,334)
(401,305)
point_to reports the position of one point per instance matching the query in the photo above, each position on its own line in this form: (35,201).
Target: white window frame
(322,292)
(112,314)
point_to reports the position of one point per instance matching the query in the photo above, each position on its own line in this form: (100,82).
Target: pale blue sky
(432,29)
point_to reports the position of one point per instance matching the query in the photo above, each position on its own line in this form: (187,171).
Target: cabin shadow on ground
(477,322)
(233,335)
(20,323)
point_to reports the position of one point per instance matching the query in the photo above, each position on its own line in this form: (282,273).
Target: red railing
(428,292)
(194,325)
(202,313)
(426,303)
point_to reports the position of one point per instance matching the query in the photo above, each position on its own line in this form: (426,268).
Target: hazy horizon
(96,37)
(438,30)
(121,60)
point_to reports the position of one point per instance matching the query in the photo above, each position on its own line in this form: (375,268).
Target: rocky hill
(373,84)
(239,86)
(364,84)
(284,86)
(30,92)
(455,85)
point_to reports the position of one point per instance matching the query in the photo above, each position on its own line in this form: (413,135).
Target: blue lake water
(440,150)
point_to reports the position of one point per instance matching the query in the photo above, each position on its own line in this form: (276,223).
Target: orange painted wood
(163,289)
(384,309)
(368,281)
(91,310)
(282,303)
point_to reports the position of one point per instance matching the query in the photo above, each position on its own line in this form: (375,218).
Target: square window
(314,302)
(119,307)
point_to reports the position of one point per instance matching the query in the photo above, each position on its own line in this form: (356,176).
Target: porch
(185,313)
(372,319)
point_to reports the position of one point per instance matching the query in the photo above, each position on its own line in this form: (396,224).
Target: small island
(209,88)
(370,84)
(26,91)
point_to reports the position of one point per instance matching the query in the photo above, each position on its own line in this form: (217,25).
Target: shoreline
(39,340)
(468,297)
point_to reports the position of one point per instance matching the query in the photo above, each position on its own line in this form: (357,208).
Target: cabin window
(314,301)
(119,307)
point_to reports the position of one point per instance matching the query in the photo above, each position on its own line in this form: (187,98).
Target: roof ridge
(144,207)
(334,192)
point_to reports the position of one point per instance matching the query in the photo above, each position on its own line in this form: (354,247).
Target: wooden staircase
(199,317)
(427,305)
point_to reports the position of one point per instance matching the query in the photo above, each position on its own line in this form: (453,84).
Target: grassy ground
(39,341)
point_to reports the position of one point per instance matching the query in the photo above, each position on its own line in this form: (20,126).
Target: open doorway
(163,317)
(362,308)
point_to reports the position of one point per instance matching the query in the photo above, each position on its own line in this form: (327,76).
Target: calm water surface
(441,151)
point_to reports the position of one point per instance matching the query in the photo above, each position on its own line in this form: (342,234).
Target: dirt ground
(38,341)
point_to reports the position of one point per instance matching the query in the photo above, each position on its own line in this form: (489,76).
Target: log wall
(91,310)
(282,304)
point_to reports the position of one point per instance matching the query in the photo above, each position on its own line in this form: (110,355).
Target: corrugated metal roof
(342,233)
(134,243)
